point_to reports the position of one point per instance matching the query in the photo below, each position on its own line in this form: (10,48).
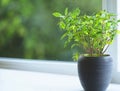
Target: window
(114,49)
(32,31)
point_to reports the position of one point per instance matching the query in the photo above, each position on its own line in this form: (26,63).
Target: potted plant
(94,33)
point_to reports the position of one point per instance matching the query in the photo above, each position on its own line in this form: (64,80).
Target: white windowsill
(52,66)
(14,80)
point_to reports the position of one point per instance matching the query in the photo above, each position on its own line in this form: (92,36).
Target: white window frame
(114,49)
(68,68)
(118,47)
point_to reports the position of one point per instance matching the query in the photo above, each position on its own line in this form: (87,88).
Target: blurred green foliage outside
(28,29)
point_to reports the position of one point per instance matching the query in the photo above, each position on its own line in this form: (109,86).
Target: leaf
(76,56)
(77,11)
(66,11)
(57,14)
(62,25)
(118,31)
(63,36)
(118,20)
(73,45)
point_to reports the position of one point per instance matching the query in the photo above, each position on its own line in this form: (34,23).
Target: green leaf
(74,45)
(57,14)
(66,11)
(62,25)
(118,20)
(76,11)
(63,36)
(118,31)
(76,56)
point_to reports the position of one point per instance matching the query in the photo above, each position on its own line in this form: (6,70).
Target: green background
(28,29)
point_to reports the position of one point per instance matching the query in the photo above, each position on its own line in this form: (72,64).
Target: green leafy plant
(94,33)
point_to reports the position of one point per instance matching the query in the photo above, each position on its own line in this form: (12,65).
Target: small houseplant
(94,33)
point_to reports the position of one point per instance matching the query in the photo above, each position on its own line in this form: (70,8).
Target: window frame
(118,37)
(111,6)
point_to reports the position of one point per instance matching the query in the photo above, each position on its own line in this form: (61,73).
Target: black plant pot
(95,72)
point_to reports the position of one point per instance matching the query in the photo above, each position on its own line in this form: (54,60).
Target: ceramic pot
(95,73)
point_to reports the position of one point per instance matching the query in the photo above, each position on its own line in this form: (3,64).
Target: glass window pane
(28,29)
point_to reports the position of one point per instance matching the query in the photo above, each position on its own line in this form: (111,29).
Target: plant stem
(105,49)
